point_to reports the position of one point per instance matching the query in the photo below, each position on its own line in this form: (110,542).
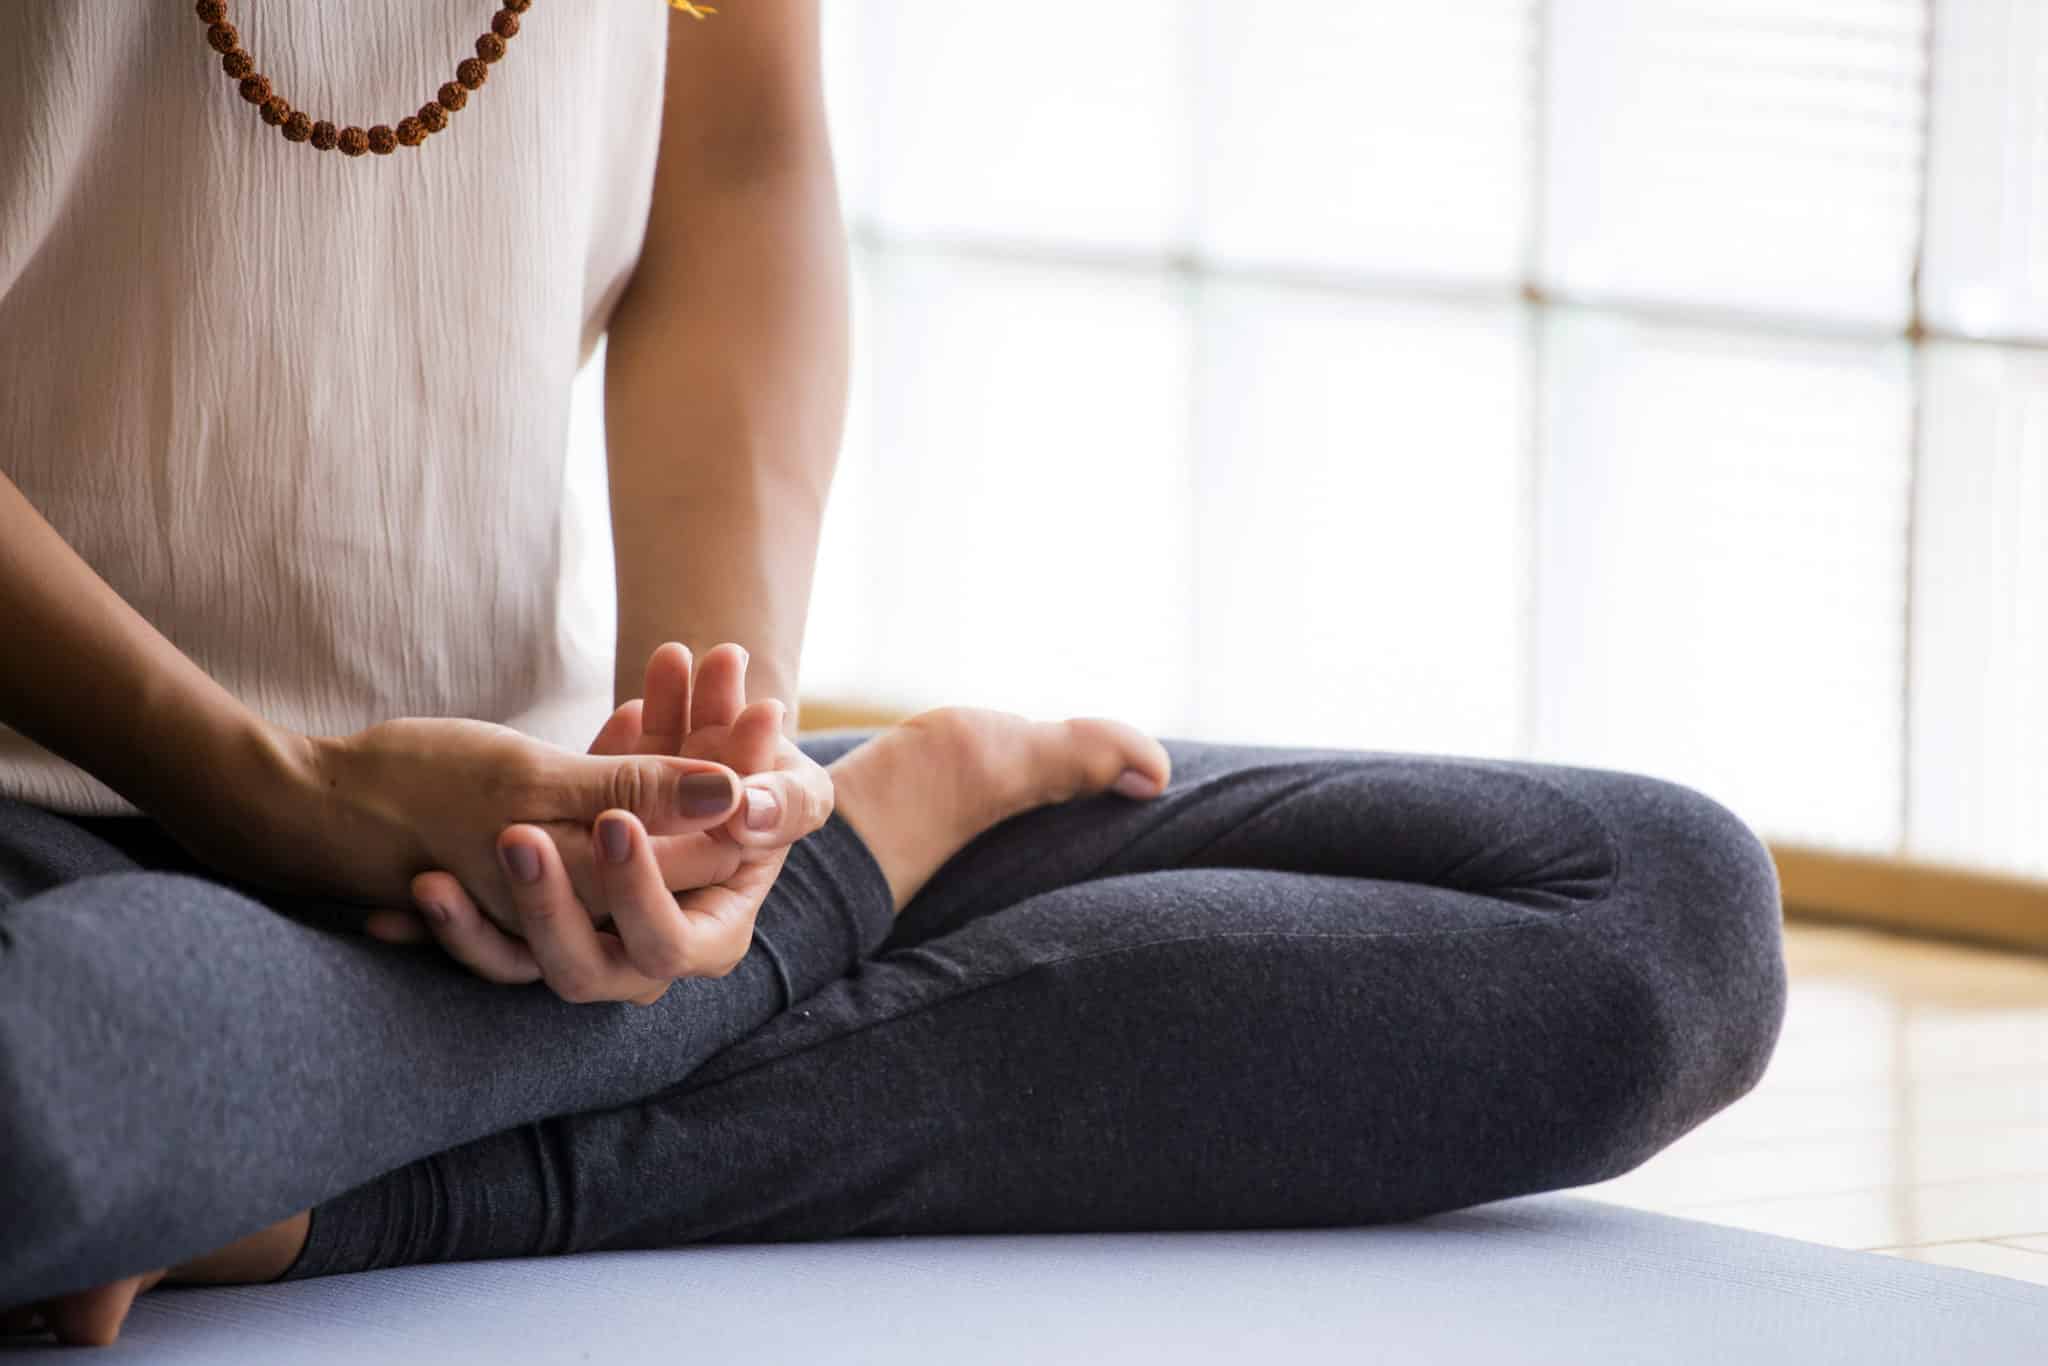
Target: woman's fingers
(786,795)
(637,902)
(670,795)
(660,941)
(620,733)
(468,935)
(654,944)
(782,807)
(675,823)
(578,963)
(665,694)
(733,904)
(757,738)
(720,689)
(687,860)
(768,805)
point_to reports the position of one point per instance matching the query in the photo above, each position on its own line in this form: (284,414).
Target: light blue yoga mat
(1542,1280)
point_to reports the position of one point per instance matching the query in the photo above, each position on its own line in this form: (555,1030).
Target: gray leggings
(1302,988)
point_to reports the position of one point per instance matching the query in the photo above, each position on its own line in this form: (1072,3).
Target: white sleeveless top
(308,414)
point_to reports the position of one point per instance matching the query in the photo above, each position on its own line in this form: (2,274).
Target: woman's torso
(306,413)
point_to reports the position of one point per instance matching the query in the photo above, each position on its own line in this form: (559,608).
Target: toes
(93,1318)
(1135,785)
(1118,758)
(1149,760)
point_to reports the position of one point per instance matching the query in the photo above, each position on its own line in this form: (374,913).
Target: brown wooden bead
(490,46)
(519,6)
(223,38)
(383,141)
(276,110)
(255,89)
(453,97)
(237,63)
(354,141)
(505,24)
(212,11)
(472,73)
(326,136)
(433,117)
(298,127)
(410,132)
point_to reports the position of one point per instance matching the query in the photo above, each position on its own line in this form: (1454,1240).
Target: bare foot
(89,1318)
(93,1318)
(918,792)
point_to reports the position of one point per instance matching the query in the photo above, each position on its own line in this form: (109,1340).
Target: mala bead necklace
(384,139)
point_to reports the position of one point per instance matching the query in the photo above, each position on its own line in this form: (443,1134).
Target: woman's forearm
(724,402)
(85,676)
(725,381)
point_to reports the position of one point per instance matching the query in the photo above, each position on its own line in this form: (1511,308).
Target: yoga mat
(1540,1280)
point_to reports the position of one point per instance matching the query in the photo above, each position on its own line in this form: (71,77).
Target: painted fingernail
(520,861)
(1134,784)
(762,809)
(615,838)
(705,794)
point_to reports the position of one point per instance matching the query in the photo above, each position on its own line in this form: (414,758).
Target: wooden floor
(1906,1111)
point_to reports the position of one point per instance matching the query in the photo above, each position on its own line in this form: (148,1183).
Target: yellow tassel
(694,11)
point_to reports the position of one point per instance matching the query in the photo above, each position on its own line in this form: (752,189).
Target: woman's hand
(624,935)
(359,817)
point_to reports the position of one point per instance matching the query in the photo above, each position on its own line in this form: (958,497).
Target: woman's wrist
(291,816)
(235,788)
(275,773)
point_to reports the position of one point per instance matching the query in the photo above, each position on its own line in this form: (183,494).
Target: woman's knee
(1690,940)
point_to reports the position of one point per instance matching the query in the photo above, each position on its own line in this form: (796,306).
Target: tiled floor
(1906,1111)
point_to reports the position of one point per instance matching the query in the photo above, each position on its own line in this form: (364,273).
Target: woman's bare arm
(725,381)
(89,679)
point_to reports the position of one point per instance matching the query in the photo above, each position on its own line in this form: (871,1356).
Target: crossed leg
(1302,988)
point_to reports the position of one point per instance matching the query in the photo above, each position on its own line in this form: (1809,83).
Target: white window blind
(1980,600)
(1360,480)
(1723,576)
(1986,270)
(1023,123)
(1372,140)
(1023,478)
(1757,156)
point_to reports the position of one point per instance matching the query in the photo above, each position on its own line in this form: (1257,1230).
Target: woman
(282,407)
